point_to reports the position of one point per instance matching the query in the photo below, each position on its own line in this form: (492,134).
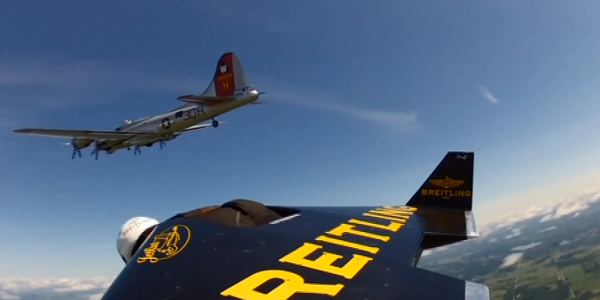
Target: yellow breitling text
(292,283)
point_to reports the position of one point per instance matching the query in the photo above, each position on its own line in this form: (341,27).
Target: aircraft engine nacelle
(80,143)
(170,137)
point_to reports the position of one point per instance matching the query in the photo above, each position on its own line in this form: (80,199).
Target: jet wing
(74,133)
(349,253)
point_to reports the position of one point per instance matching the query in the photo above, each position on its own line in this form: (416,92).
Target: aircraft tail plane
(229,79)
(450,185)
(445,201)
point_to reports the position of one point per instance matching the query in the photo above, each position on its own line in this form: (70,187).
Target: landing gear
(215,123)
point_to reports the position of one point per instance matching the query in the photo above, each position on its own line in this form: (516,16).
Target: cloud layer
(550,210)
(54,288)
(545,211)
(55,83)
(33,86)
(395,121)
(30,84)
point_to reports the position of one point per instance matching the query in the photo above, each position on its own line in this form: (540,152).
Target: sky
(363,99)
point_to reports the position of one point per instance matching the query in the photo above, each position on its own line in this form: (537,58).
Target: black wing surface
(314,252)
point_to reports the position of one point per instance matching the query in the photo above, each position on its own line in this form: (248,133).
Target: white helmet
(130,233)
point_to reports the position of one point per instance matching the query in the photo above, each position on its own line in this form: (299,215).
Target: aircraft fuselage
(167,126)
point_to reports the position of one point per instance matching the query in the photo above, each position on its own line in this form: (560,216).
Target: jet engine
(170,137)
(78,144)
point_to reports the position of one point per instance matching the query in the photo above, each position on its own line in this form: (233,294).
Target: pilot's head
(133,234)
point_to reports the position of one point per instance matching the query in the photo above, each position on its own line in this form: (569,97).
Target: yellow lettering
(394,226)
(323,263)
(357,246)
(223,77)
(446,193)
(292,284)
(400,207)
(396,214)
(226,85)
(402,221)
(394,211)
(347,228)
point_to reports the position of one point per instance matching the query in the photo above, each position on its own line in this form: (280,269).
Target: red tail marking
(224,83)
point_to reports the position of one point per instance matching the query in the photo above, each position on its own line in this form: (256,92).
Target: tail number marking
(193,112)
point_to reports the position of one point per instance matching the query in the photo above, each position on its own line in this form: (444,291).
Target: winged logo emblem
(447,182)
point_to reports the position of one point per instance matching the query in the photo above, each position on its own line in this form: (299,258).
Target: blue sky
(363,100)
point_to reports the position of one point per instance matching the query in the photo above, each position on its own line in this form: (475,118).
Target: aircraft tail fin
(229,77)
(445,202)
(450,185)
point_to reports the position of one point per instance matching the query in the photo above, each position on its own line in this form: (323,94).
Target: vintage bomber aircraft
(228,90)
(314,252)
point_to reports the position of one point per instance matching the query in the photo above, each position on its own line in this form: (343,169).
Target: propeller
(96,150)
(75,149)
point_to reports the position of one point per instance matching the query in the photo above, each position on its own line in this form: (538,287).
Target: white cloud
(38,84)
(525,247)
(54,288)
(547,229)
(96,296)
(434,250)
(58,73)
(488,95)
(565,209)
(550,210)
(514,232)
(511,259)
(396,121)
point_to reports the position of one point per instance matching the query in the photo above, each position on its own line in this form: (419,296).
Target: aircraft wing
(199,99)
(74,133)
(200,126)
(349,253)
